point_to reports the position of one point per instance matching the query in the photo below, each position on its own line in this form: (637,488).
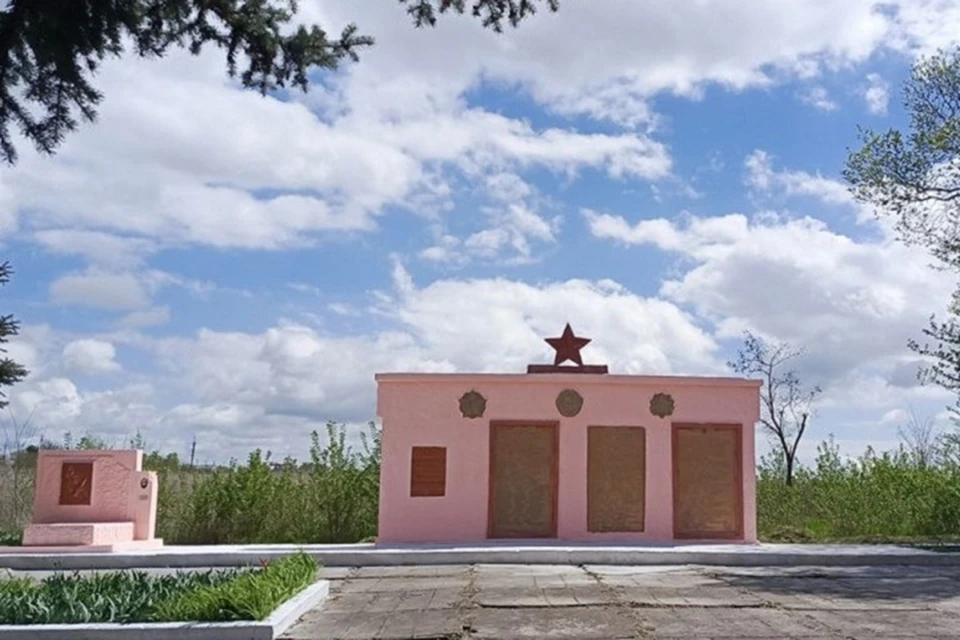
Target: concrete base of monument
(533,552)
(113,547)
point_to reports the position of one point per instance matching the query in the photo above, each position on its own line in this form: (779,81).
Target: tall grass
(887,496)
(332,497)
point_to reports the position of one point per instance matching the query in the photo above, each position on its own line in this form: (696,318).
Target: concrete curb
(270,629)
(369,555)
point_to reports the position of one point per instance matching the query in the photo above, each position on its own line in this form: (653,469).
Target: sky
(206,263)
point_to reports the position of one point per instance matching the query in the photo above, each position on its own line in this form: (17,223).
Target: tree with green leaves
(913,178)
(50,49)
(785,404)
(11,372)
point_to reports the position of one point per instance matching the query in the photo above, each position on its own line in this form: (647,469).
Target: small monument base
(77,533)
(81,537)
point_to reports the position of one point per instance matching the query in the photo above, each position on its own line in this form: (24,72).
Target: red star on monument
(568,346)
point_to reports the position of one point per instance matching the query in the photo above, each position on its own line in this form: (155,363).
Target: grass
(878,498)
(890,497)
(135,596)
(11,537)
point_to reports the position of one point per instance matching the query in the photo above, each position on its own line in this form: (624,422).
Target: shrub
(135,596)
(108,597)
(251,596)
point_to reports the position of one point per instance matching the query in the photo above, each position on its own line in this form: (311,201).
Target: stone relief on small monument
(76,480)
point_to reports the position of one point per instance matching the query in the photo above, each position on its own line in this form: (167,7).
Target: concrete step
(77,533)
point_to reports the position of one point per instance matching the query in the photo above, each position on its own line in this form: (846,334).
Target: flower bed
(135,596)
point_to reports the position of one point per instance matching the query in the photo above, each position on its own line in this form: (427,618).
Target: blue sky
(203,262)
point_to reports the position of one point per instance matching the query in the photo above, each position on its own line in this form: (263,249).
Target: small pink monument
(92,500)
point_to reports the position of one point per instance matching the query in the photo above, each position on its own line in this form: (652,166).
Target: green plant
(331,498)
(891,496)
(72,598)
(11,538)
(251,596)
(135,596)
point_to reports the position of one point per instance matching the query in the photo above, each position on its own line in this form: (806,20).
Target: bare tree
(921,439)
(785,404)
(18,471)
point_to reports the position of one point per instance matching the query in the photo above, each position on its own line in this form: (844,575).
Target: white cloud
(86,356)
(151,317)
(512,229)
(851,304)
(876,94)
(819,98)
(99,248)
(764,181)
(114,291)
(131,291)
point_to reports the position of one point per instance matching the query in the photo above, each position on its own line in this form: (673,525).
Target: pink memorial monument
(567,453)
(92,501)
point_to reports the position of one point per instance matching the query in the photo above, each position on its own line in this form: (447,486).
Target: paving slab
(588,623)
(865,571)
(336,573)
(870,625)
(400,584)
(697,597)
(437,571)
(387,602)
(679,579)
(698,622)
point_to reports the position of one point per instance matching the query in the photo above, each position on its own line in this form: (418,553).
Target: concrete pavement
(491,552)
(505,602)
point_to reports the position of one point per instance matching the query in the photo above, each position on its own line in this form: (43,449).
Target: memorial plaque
(76,483)
(707,482)
(428,472)
(523,480)
(616,479)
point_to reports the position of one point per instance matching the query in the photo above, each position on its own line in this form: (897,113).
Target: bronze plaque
(569,403)
(661,405)
(76,483)
(707,488)
(428,472)
(616,478)
(472,405)
(523,481)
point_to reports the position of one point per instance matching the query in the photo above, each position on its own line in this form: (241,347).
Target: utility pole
(193,451)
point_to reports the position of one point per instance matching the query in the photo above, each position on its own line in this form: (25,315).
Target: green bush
(252,596)
(332,498)
(884,497)
(135,596)
(120,597)
(11,537)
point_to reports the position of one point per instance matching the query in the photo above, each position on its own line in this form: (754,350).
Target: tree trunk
(789,458)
